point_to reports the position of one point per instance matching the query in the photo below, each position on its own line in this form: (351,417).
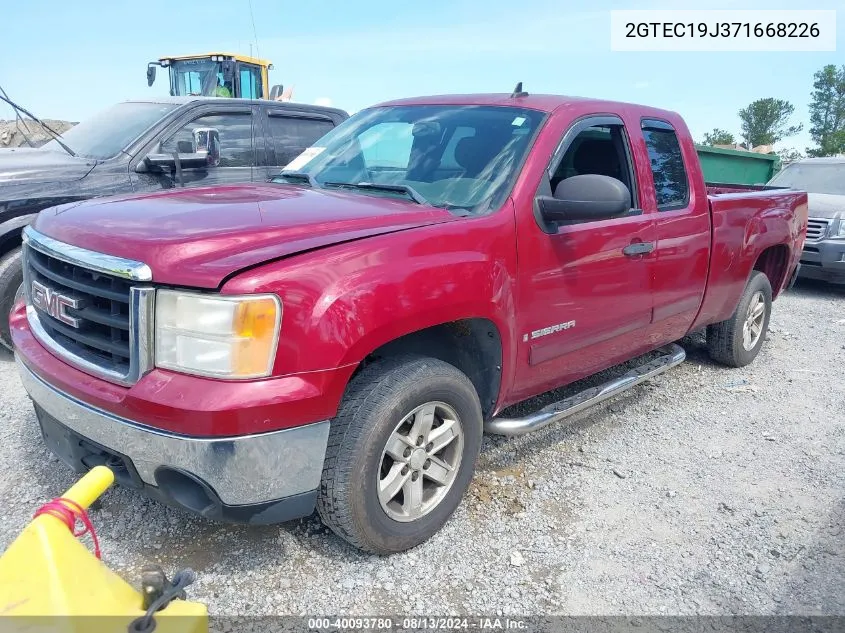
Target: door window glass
(671,187)
(292,135)
(235,133)
(250,81)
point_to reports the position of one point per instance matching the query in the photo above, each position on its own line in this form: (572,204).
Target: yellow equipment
(47,574)
(217,75)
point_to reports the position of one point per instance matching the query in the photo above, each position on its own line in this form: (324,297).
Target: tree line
(767,121)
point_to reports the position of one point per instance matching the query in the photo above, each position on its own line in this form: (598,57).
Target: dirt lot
(705,491)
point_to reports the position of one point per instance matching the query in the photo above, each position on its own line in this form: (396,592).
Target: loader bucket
(50,581)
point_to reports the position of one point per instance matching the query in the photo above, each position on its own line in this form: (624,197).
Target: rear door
(288,134)
(675,193)
(585,287)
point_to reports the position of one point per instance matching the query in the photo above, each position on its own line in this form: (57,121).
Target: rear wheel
(11,290)
(401,453)
(737,341)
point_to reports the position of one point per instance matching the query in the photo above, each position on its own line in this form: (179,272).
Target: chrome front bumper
(246,470)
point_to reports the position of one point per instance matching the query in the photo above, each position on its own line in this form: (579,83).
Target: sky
(67,60)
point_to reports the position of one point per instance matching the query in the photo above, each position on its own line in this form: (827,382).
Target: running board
(671,356)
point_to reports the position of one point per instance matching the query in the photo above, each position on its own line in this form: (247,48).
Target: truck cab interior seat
(472,155)
(475,153)
(597,157)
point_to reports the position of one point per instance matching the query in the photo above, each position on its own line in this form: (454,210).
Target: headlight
(840,230)
(216,335)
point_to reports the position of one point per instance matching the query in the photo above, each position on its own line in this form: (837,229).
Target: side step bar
(671,356)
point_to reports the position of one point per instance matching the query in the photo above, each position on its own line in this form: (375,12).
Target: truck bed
(752,227)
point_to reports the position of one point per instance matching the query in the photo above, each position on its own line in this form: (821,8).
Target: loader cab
(215,75)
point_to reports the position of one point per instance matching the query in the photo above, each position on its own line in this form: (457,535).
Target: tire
(728,341)
(376,408)
(11,289)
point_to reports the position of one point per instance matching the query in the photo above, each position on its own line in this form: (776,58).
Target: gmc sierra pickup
(341,338)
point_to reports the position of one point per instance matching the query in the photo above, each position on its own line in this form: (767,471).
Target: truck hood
(825,205)
(197,237)
(33,165)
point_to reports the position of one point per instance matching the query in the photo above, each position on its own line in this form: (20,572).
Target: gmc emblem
(54,303)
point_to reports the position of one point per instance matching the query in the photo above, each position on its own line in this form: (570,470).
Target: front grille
(816,229)
(102,335)
(92,310)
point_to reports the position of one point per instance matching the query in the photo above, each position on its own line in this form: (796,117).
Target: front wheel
(737,341)
(401,453)
(11,290)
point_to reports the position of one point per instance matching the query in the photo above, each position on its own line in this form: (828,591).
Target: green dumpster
(737,167)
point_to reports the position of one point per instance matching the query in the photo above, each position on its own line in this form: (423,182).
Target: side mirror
(586,197)
(202,151)
(207,142)
(151,73)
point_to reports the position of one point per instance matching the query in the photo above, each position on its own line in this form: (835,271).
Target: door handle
(638,248)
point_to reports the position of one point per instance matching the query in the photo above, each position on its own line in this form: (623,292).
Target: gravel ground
(705,491)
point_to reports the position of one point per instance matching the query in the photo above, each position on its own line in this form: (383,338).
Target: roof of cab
(541,102)
(830,160)
(241,58)
(185,100)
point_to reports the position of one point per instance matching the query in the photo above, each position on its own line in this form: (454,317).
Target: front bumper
(824,260)
(262,478)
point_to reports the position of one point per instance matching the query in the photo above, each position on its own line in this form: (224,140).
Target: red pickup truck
(341,338)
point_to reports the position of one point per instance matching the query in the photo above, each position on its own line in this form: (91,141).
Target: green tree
(789,155)
(766,121)
(827,112)
(719,137)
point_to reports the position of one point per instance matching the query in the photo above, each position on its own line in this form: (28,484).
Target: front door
(237,152)
(585,299)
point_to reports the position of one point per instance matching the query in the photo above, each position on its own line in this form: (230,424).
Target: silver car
(824,181)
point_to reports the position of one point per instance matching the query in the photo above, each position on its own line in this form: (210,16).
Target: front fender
(343,302)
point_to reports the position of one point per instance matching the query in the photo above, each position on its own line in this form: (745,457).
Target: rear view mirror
(586,197)
(426,129)
(228,68)
(151,73)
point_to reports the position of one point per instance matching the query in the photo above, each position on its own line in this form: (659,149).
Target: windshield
(198,77)
(813,177)
(111,131)
(457,156)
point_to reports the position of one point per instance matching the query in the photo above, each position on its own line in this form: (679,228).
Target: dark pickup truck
(129,148)
(341,339)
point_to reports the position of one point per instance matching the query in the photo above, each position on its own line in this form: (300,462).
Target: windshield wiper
(56,136)
(412,193)
(301,176)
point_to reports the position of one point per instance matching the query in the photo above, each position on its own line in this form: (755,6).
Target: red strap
(68,512)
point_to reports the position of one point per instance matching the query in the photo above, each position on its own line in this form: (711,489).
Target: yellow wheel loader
(219,75)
